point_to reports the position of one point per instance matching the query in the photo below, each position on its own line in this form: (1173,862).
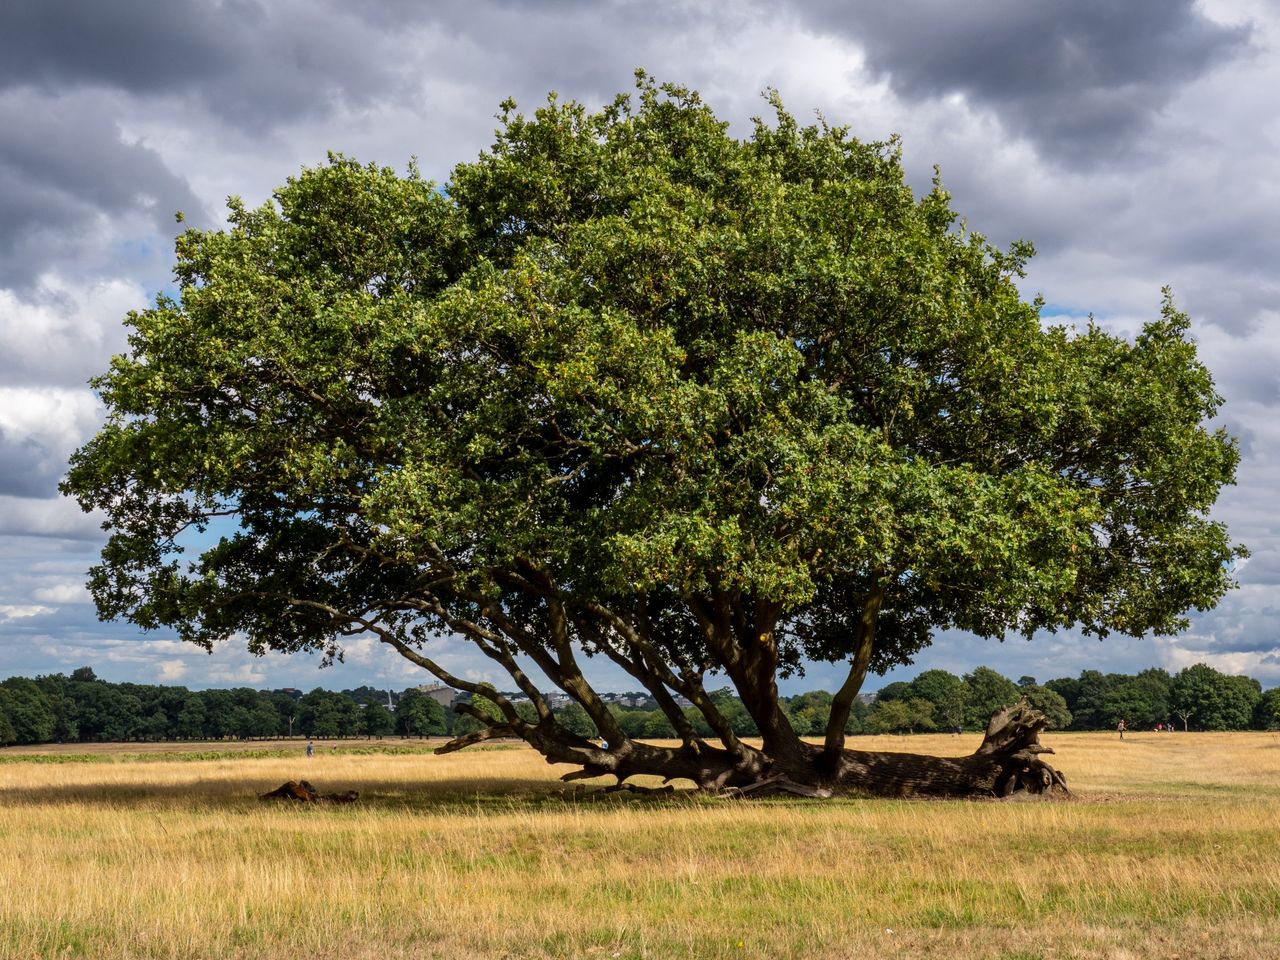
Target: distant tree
(809,712)
(734,712)
(153,724)
(418,715)
(376,720)
(479,713)
(1266,715)
(574,719)
(632,722)
(66,725)
(1050,703)
(219,713)
(898,690)
(286,707)
(901,716)
(948,693)
(7,733)
(104,713)
(1141,701)
(83,675)
(856,722)
(889,716)
(1069,689)
(192,720)
(657,726)
(263,719)
(1086,698)
(1209,700)
(323,713)
(29,711)
(989,691)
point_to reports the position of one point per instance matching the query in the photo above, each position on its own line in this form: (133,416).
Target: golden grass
(1171,848)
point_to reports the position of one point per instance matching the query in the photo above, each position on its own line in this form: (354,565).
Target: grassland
(1170,848)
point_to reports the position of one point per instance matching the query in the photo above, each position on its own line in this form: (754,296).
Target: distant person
(1120,728)
(311,749)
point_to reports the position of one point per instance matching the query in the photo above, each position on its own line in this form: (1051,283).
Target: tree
(191,718)
(28,710)
(901,716)
(1266,715)
(628,387)
(898,690)
(417,715)
(948,694)
(323,713)
(376,720)
(989,691)
(1049,703)
(1141,701)
(574,719)
(1086,698)
(8,734)
(809,712)
(1211,700)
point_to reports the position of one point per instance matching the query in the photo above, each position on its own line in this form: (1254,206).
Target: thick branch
(842,703)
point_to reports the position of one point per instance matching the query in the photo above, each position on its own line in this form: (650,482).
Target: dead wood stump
(303,792)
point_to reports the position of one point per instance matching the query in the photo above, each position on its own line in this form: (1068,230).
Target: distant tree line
(82,708)
(1196,698)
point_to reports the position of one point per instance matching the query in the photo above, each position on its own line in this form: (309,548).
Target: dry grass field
(1170,848)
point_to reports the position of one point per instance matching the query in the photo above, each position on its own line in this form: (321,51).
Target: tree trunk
(1007,762)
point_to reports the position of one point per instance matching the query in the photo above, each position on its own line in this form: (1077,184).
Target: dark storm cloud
(1081,79)
(26,467)
(62,165)
(249,62)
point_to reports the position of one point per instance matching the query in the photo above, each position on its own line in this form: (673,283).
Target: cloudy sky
(1135,142)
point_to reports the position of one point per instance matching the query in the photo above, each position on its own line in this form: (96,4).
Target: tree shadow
(469,795)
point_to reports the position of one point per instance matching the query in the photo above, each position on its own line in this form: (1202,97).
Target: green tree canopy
(418,715)
(1210,700)
(948,693)
(628,386)
(1049,703)
(376,720)
(29,712)
(989,691)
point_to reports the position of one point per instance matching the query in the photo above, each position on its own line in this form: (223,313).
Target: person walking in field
(1120,727)
(311,749)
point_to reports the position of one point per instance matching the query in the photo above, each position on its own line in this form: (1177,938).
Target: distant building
(293,692)
(439,693)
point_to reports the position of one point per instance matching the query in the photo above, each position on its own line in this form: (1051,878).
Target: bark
(1008,762)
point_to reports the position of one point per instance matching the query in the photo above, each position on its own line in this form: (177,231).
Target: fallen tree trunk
(1008,762)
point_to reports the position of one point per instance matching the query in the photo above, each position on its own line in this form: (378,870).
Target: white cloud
(1263,665)
(170,671)
(56,517)
(62,331)
(11,611)
(62,593)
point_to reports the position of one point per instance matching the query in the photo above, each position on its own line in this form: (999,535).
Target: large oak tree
(629,387)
